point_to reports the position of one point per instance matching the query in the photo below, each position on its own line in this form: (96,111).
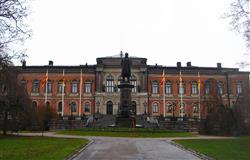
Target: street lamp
(97,104)
(145,107)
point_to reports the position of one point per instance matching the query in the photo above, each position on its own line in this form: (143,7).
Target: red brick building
(192,87)
(89,89)
(78,82)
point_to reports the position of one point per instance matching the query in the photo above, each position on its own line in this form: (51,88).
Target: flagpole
(46,87)
(199,92)
(181,95)
(63,94)
(164,98)
(80,103)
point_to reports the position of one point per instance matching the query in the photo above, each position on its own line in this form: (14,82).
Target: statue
(126,71)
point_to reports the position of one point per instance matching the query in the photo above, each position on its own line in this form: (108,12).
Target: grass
(126,132)
(39,148)
(223,149)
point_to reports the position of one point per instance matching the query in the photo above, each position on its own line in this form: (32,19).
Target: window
(220,88)
(23,84)
(119,82)
(74,87)
(207,87)
(49,86)
(87,88)
(168,88)
(133,82)
(182,89)
(35,86)
(155,87)
(60,87)
(194,88)
(87,107)
(155,107)
(169,108)
(110,84)
(59,107)
(239,87)
(73,106)
(195,108)
(182,108)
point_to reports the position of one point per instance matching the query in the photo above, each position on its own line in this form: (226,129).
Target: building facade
(159,90)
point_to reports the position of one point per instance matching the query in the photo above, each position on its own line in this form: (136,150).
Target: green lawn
(126,132)
(38,148)
(224,149)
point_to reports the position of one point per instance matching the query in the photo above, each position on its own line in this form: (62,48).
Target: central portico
(108,77)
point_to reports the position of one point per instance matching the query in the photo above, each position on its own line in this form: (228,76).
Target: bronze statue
(126,71)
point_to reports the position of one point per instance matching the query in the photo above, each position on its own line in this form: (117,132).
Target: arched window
(168,87)
(169,107)
(110,107)
(35,86)
(133,82)
(195,108)
(34,104)
(59,107)
(155,87)
(110,84)
(220,88)
(155,107)
(133,105)
(182,108)
(74,86)
(73,106)
(87,107)
(194,88)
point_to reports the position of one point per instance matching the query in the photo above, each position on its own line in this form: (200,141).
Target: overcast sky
(163,31)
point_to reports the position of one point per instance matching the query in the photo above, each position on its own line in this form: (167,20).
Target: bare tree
(240,18)
(14,100)
(13,32)
(13,29)
(240,22)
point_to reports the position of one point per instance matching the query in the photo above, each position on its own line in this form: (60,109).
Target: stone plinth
(123,118)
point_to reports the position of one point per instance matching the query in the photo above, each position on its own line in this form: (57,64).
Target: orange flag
(45,79)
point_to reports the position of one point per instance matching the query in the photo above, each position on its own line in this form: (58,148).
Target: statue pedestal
(124,117)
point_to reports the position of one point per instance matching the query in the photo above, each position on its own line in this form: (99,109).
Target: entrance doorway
(109,108)
(133,105)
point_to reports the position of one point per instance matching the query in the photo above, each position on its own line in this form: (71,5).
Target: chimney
(50,63)
(189,64)
(23,63)
(178,64)
(219,65)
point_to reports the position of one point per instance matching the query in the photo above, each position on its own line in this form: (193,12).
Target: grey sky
(164,31)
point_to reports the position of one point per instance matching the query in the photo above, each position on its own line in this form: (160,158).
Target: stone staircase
(103,121)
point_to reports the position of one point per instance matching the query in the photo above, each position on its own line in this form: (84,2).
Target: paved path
(110,148)
(133,149)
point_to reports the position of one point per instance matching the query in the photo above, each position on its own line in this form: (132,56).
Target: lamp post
(98,105)
(145,107)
